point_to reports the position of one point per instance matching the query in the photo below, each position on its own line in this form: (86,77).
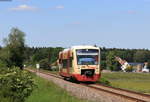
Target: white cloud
(60,7)
(57,7)
(23,8)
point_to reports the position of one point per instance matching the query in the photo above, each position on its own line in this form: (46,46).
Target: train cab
(81,63)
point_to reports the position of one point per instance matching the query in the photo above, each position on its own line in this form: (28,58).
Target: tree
(15,47)
(111,62)
(4,58)
(45,56)
(44,64)
(148,64)
(141,56)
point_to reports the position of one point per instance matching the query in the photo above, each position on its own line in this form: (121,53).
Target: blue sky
(109,23)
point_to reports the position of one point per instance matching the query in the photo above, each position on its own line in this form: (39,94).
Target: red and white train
(81,63)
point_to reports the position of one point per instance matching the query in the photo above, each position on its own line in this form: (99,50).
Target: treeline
(108,60)
(16,53)
(48,55)
(45,56)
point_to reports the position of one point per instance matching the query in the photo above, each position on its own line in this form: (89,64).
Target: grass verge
(139,82)
(49,92)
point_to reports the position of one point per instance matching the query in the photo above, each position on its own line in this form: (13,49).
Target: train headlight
(79,71)
(97,70)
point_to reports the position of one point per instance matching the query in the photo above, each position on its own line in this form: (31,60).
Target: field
(48,92)
(139,82)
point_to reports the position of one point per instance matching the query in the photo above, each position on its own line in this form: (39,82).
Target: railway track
(129,95)
(136,95)
(126,95)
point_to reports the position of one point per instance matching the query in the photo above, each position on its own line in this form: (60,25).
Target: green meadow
(47,91)
(139,82)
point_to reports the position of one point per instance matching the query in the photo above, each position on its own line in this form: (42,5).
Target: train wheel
(66,78)
(72,79)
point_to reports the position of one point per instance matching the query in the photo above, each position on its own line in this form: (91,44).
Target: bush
(44,64)
(15,85)
(2,64)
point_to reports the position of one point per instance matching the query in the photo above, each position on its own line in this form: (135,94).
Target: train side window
(64,62)
(70,62)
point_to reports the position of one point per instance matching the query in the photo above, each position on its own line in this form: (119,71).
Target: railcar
(81,63)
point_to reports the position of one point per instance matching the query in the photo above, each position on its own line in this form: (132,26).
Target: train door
(68,63)
(70,66)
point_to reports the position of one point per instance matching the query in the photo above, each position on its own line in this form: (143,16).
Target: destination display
(87,52)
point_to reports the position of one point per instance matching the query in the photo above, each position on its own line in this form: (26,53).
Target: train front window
(87,57)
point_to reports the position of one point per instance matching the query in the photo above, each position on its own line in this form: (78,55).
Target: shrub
(15,85)
(44,64)
(2,64)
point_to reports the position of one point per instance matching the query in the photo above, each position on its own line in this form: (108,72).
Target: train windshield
(87,56)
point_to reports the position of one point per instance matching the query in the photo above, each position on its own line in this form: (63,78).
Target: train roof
(81,47)
(84,47)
